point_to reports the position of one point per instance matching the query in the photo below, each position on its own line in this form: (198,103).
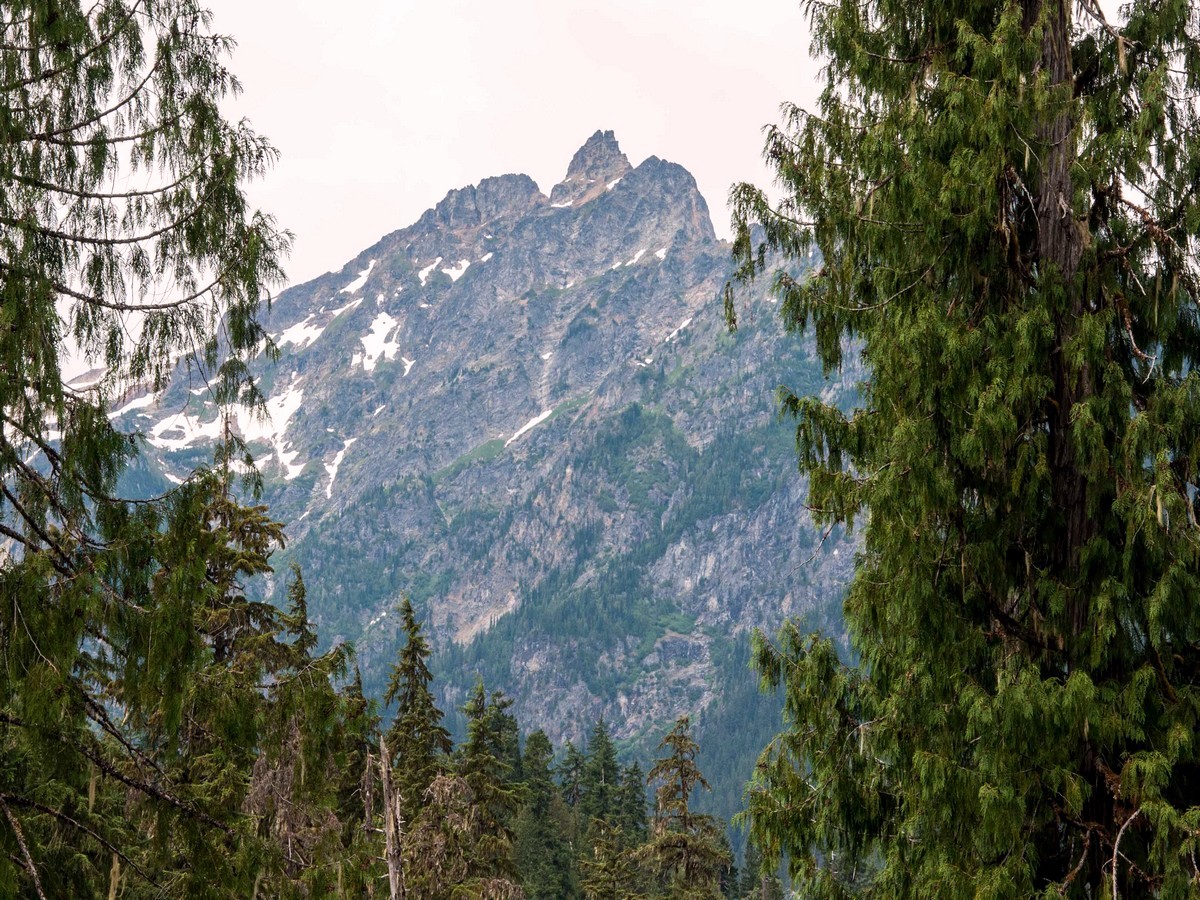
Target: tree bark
(1059,251)
(393,822)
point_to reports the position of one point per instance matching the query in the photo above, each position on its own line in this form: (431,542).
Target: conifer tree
(541,849)
(358,792)
(570,775)
(685,848)
(485,771)
(110,617)
(600,778)
(1003,197)
(293,790)
(728,877)
(420,745)
(610,871)
(631,804)
(756,883)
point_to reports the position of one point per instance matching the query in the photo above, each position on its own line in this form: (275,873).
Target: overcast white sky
(378,107)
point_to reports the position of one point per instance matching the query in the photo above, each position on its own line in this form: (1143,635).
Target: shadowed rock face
(526,414)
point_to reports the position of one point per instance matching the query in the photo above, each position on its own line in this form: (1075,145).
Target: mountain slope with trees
(523,413)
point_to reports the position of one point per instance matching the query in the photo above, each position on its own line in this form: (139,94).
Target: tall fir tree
(631,804)
(601,777)
(418,742)
(293,791)
(483,767)
(358,792)
(1003,195)
(686,850)
(542,849)
(610,871)
(570,775)
(756,883)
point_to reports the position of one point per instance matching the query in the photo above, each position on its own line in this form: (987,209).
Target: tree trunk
(393,822)
(1060,248)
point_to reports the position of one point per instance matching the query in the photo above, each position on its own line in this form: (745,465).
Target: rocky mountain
(525,413)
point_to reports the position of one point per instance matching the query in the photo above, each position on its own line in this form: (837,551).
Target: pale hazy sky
(378,108)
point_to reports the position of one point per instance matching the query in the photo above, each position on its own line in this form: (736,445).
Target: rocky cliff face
(525,413)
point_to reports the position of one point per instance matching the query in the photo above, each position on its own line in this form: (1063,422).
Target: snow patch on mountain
(332,467)
(661,253)
(376,344)
(353,304)
(301,334)
(456,272)
(636,257)
(532,423)
(287,459)
(270,425)
(179,431)
(137,403)
(305,332)
(423,275)
(356,285)
(682,325)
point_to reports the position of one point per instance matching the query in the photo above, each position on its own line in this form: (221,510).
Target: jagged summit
(598,163)
(511,195)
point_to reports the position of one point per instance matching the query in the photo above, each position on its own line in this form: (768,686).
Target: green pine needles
(137,680)
(1004,195)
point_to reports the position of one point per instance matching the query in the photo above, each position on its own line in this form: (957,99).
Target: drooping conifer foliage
(1004,198)
(132,661)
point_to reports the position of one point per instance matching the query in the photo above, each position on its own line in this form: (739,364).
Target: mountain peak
(597,163)
(468,207)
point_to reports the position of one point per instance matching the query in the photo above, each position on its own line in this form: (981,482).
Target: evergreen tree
(570,775)
(419,743)
(631,804)
(727,878)
(358,792)
(444,852)
(610,872)
(600,778)
(541,844)
(1003,196)
(757,883)
(294,785)
(685,849)
(112,613)
(485,772)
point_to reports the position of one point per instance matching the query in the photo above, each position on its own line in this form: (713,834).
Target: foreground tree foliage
(1004,197)
(132,665)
